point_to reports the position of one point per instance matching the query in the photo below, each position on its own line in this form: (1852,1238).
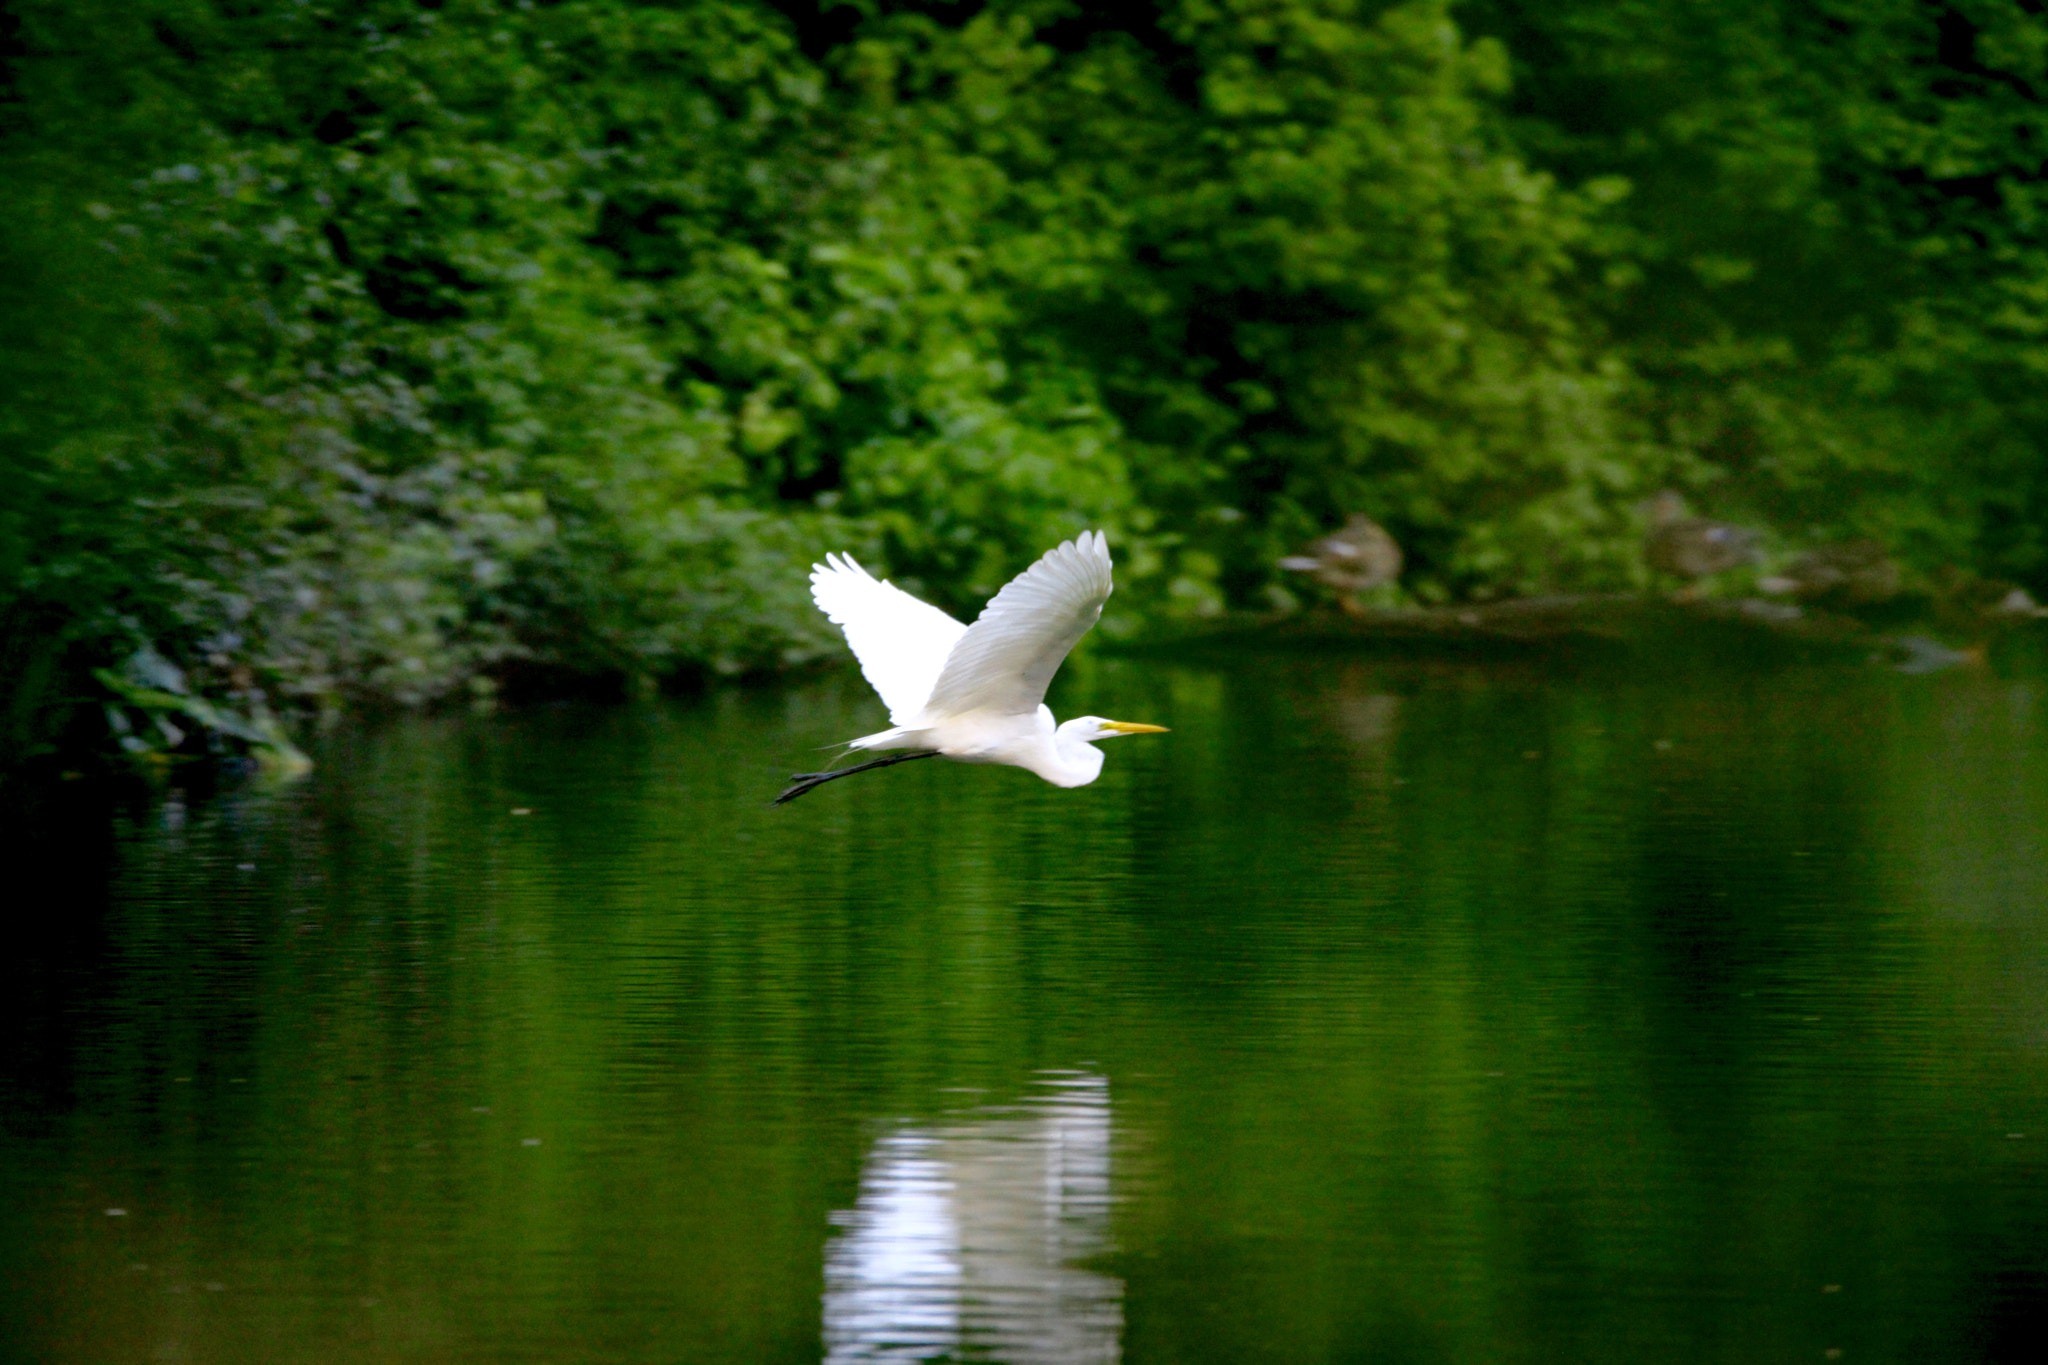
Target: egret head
(1089,729)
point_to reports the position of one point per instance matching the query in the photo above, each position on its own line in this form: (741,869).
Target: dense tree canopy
(392,348)
(1838,280)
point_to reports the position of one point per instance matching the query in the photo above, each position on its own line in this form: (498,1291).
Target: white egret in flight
(974,694)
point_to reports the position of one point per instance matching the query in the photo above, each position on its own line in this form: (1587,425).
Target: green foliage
(154,689)
(476,334)
(374,351)
(1335,288)
(1838,290)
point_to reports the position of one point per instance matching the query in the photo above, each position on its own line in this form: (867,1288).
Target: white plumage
(975,694)
(901,643)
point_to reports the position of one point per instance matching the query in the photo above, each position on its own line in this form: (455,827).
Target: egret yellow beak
(1131,727)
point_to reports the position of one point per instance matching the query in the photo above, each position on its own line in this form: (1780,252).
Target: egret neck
(1071,758)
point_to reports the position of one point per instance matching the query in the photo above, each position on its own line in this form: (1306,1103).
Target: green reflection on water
(1378,1012)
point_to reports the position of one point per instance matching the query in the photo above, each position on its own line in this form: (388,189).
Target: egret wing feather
(1007,658)
(902,643)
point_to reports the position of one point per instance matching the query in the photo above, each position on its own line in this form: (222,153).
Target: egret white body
(975,694)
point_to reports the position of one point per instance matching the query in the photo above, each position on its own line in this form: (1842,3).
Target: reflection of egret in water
(966,1236)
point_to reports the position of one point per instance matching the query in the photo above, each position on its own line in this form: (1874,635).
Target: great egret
(974,694)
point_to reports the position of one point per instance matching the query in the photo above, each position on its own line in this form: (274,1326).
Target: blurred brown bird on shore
(1854,573)
(1352,561)
(1690,547)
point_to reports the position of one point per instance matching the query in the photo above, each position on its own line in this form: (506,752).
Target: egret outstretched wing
(902,643)
(1005,661)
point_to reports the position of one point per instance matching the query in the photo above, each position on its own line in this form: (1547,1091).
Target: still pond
(1382,1011)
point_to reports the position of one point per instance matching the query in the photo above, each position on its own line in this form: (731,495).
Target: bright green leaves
(369,346)
(1331,287)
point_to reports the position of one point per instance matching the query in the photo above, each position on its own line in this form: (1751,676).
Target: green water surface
(1380,1012)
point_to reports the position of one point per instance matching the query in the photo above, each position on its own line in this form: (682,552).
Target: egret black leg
(803,782)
